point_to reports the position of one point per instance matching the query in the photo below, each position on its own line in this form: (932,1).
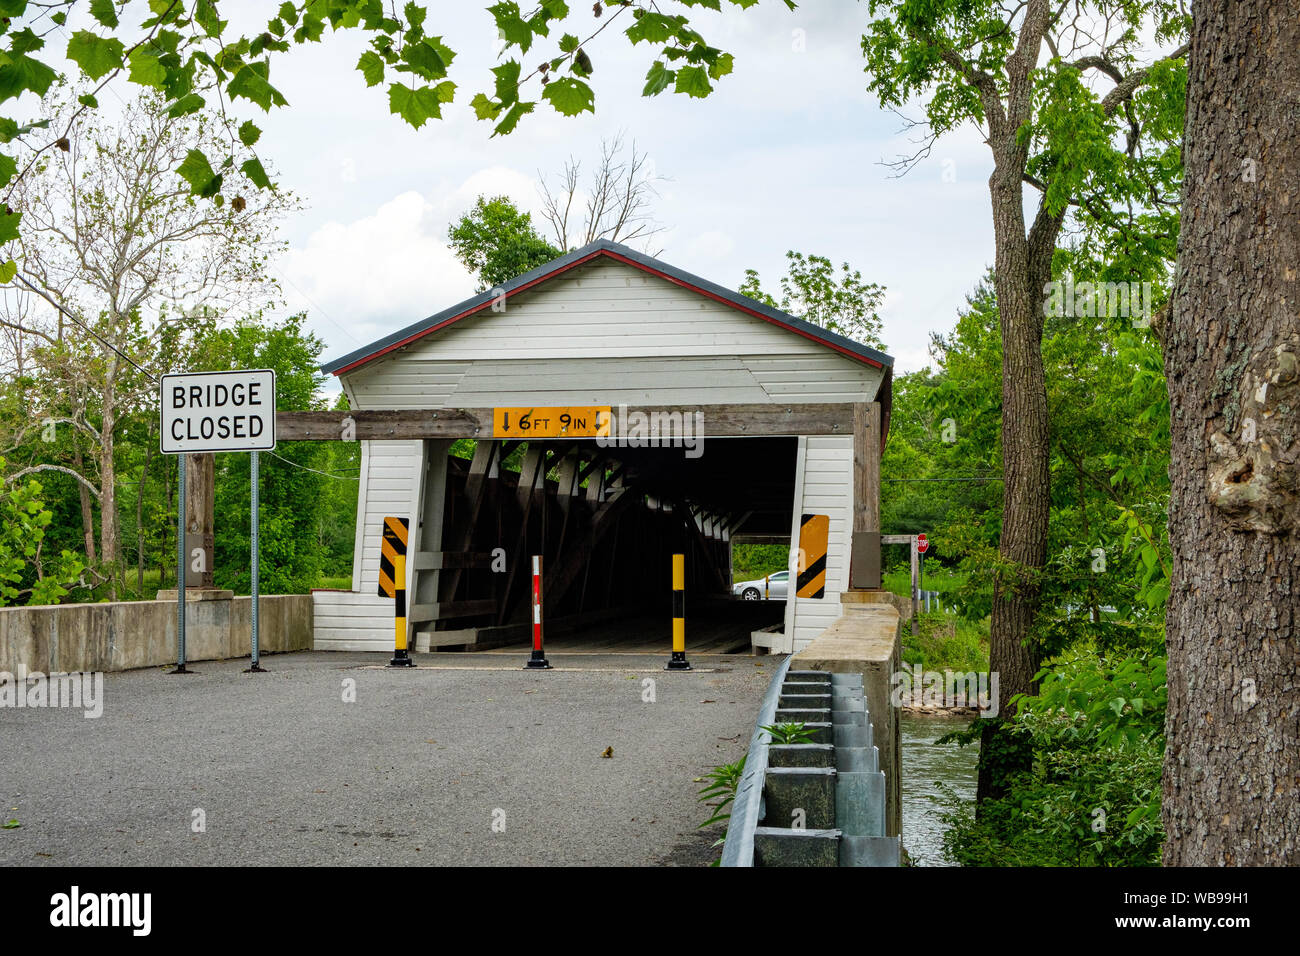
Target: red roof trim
(624,259)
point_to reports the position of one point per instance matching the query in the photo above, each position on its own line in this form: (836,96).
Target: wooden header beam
(720,421)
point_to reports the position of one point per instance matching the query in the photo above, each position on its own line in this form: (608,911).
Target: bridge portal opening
(606,522)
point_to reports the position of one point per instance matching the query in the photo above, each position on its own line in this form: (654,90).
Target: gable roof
(612,250)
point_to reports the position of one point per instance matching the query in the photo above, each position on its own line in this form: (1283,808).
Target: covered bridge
(792,420)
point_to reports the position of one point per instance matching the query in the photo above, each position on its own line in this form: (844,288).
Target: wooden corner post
(864,563)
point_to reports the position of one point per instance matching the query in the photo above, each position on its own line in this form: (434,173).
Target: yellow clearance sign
(392,557)
(588,421)
(814,537)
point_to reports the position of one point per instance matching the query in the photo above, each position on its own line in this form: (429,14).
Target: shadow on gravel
(694,849)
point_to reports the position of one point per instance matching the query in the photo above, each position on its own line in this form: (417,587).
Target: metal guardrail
(747,808)
(832,791)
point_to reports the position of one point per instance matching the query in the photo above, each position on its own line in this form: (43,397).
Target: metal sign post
(253,463)
(205,412)
(180,566)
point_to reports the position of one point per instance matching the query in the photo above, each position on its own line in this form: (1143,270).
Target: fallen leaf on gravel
(607,752)
(708,702)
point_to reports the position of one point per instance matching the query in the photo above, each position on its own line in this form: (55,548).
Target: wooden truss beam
(720,421)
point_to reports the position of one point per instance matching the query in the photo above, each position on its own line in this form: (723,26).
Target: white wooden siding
(824,486)
(607,333)
(604,333)
(361,620)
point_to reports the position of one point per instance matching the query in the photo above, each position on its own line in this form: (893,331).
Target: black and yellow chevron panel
(392,546)
(814,538)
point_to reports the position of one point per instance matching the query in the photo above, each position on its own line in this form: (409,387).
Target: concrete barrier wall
(865,640)
(129,634)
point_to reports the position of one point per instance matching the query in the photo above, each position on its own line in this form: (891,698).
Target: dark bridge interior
(606,522)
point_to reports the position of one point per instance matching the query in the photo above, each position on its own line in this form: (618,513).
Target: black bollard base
(401,659)
(180,669)
(255,669)
(678,662)
(538,662)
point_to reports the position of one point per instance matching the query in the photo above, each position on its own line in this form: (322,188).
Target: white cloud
(710,246)
(496,180)
(376,274)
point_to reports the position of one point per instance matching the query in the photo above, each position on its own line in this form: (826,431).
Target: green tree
(114,246)
(24,571)
(496,242)
(811,290)
(184,50)
(1094,130)
(295,478)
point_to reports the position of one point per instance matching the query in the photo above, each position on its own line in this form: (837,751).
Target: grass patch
(944,641)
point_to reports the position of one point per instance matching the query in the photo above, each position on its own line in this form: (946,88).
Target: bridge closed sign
(218,411)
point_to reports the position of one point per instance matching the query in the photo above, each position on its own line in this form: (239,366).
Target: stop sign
(921,543)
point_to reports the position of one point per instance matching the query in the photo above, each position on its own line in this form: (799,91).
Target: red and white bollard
(538,661)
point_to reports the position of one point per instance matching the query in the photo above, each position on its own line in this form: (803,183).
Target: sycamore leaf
(721,66)
(96,55)
(512,117)
(9,224)
(197,171)
(146,68)
(249,133)
(8,167)
(417,105)
(569,96)
(189,103)
(693,81)
(7,271)
(484,108)
(251,83)
(654,27)
(252,168)
(425,59)
(512,27)
(104,12)
(371,66)
(22,74)
(657,80)
(507,81)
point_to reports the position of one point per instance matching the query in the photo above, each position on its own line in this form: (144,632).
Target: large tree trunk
(87,513)
(108,524)
(1023,266)
(139,518)
(1232,354)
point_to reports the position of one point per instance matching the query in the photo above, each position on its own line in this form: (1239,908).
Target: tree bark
(139,518)
(108,525)
(87,514)
(1022,269)
(1232,353)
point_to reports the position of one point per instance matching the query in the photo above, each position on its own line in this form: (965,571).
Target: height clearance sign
(218,411)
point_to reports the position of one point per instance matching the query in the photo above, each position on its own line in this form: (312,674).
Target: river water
(924,764)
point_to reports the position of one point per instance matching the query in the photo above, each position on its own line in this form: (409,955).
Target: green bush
(1092,797)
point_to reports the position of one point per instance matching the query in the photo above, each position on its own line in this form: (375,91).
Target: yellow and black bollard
(392,583)
(678,660)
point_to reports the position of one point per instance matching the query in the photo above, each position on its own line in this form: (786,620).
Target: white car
(775,586)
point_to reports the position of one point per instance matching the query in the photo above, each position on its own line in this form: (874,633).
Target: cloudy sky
(786,154)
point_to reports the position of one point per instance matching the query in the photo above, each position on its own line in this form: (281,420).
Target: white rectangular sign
(218,411)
